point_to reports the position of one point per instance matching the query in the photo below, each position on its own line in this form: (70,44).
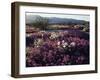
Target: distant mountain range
(54,20)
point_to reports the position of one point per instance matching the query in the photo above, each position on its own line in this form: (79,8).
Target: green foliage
(40,22)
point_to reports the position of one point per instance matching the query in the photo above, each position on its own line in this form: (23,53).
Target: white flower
(63,41)
(72,44)
(38,42)
(28,35)
(42,35)
(58,43)
(37,46)
(64,44)
(53,35)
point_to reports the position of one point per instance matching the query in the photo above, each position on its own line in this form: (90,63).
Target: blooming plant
(52,49)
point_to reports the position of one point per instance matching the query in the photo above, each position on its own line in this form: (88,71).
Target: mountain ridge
(54,20)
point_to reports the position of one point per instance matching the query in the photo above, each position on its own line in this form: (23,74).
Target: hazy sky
(73,16)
